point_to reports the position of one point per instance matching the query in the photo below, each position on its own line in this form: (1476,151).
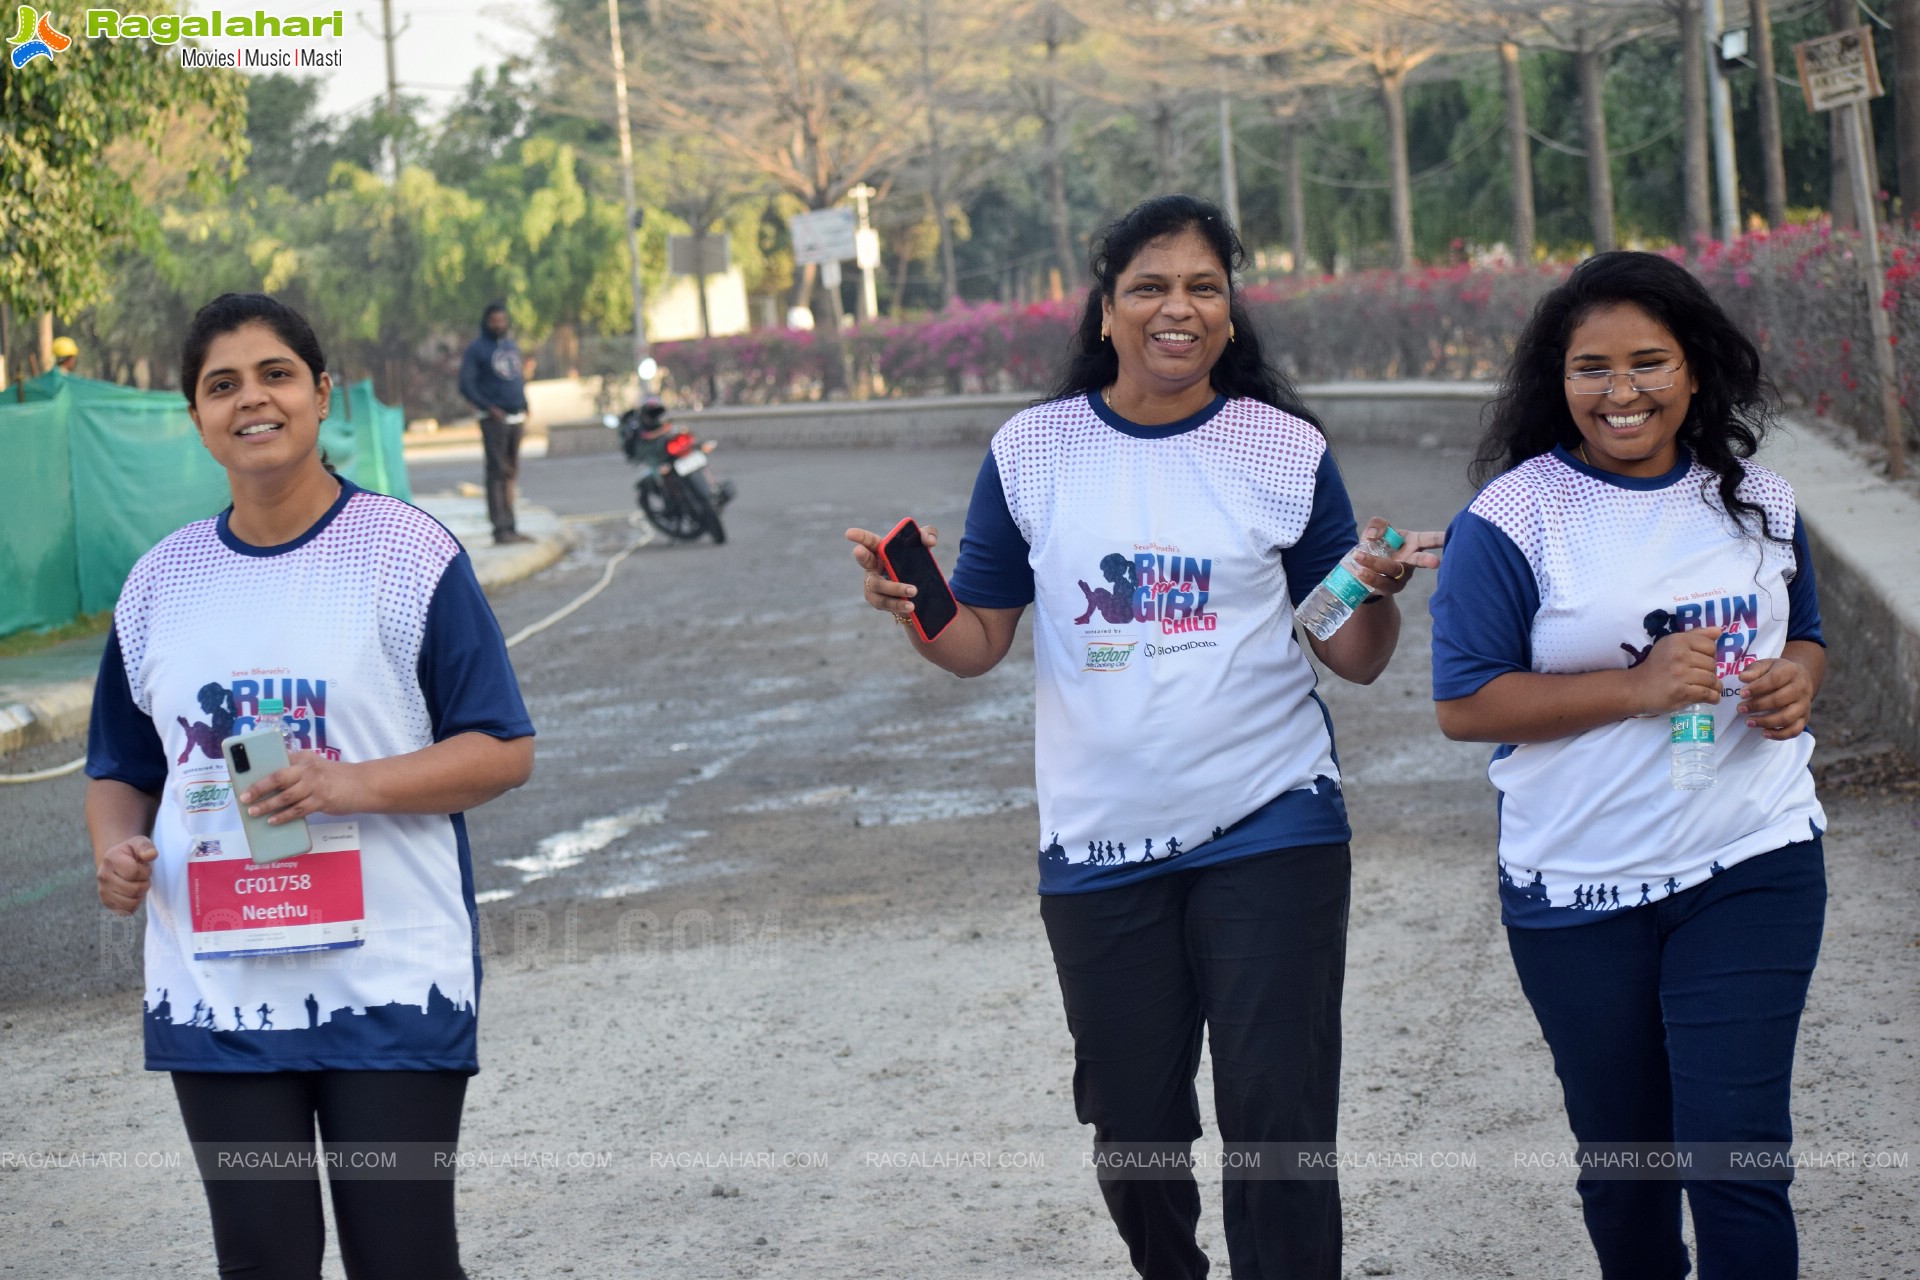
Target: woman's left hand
(1776,695)
(309,784)
(1389,575)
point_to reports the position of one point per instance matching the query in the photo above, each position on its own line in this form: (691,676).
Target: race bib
(312,902)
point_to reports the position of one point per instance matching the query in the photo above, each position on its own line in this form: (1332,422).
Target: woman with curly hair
(1624,562)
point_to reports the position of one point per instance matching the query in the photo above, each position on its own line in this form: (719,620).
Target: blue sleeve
(470,378)
(464,672)
(993,570)
(122,743)
(1483,606)
(1803,599)
(1330,533)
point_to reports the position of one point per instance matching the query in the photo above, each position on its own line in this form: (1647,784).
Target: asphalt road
(725,729)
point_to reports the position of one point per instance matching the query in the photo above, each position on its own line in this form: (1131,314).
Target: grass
(24,642)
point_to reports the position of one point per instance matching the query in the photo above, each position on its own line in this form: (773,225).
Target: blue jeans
(1675,1023)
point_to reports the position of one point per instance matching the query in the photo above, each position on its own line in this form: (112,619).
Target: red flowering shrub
(1796,291)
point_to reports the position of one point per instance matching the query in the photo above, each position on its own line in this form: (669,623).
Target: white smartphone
(250,757)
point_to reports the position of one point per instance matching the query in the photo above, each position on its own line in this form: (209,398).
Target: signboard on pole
(826,235)
(1838,69)
(699,255)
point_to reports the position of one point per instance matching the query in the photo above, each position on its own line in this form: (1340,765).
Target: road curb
(1857,523)
(44,713)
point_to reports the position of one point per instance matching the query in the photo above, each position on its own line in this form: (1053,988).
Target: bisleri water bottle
(1693,747)
(273,716)
(1333,601)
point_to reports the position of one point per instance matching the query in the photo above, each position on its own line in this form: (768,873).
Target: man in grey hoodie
(494,380)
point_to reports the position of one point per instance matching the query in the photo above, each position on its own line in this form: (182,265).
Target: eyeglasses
(1646,377)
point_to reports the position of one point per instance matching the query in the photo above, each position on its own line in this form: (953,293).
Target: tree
(1766,92)
(1591,30)
(67,200)
(1693,126)
(1041,76)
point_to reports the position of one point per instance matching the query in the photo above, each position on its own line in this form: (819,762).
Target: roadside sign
(826,235)
(867,242)
(699,255)
(1838,69)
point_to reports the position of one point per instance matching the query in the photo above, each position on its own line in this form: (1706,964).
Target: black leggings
(268,1225)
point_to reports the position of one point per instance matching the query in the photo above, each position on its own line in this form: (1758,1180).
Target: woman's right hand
(1681,669)
(125,873)
(894,599)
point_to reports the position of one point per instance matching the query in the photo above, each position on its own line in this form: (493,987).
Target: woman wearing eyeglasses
(1624,562)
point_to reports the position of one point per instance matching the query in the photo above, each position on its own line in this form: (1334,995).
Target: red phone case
(887,565)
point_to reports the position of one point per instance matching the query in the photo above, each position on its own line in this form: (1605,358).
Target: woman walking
(360,616)
(1625,562)
(1179,741)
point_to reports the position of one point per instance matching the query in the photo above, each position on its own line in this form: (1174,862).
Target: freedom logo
(1104,656)
(36,38)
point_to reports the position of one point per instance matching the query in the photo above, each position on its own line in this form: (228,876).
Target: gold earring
(1103,332)
(1229,331)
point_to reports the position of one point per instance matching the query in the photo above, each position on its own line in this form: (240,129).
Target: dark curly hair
(1242,369)
(1729,415)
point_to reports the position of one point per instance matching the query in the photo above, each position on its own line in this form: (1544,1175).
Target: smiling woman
(1175,466)
(1627,562)
(355,620)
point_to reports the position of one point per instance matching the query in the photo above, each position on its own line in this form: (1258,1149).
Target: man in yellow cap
(66,354)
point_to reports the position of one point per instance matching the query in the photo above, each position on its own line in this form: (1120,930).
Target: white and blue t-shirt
(1561,568)
(1176,720)
(372,630)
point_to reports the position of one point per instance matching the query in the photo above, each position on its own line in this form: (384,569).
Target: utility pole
(869,252)
(1720,122)
(643,364)
(1229,176)
(391,37)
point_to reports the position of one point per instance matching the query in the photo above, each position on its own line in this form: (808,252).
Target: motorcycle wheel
(700,498)
(663,500)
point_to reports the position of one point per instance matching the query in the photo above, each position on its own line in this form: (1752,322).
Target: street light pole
(642,359)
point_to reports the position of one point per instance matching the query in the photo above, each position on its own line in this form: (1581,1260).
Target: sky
(438,51)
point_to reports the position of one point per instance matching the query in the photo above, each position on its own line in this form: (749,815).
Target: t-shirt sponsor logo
(1104,655)
(206,797)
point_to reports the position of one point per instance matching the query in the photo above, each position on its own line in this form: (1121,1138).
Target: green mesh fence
(115,469)
(38,555)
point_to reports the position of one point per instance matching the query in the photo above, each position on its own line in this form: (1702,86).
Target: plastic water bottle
(273,716)
(1333,601)
(1693,767)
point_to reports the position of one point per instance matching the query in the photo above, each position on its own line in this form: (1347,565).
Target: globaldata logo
(36,38)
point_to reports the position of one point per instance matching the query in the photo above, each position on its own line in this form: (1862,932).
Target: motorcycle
(675,492)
